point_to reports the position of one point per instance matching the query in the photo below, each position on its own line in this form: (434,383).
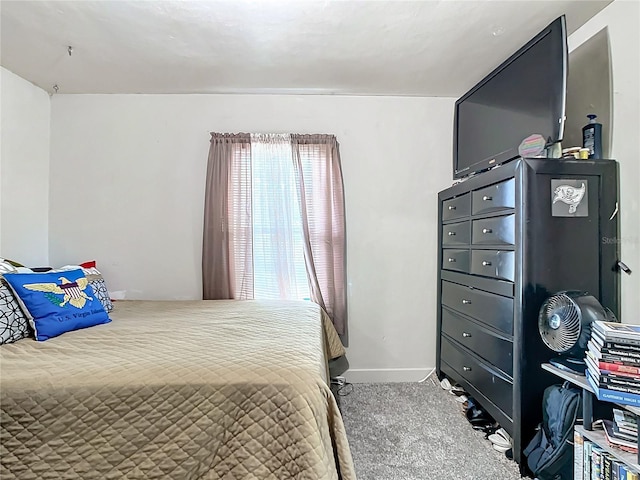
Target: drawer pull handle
(466,302)
(466,335)
(466,369)
(452,207)
(452,260)
(487,230)
(451,234)
(486,264)
(487,198)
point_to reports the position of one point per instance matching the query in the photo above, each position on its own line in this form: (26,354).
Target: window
(274,220)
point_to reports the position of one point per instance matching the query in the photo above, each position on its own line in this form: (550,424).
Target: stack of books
(622,432)
(613,362)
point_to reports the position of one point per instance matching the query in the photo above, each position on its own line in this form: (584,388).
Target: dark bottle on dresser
(592,137)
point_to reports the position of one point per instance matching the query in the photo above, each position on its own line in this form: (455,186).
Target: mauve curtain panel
(226,153)
(317,163)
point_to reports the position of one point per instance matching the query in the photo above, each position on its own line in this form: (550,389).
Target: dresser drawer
(480,340)
(496,197)
(494,386)
(494,231)
(493,263)
(456,207)
(494,310)
(455,260)
(456,233)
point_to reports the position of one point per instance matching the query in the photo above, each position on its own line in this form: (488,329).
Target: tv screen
(525,95)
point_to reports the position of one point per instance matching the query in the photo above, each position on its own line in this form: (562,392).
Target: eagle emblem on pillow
(73,292)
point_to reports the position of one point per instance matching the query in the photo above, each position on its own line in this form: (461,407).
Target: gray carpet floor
(415,431)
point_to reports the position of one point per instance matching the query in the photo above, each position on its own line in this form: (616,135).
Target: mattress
(218,389)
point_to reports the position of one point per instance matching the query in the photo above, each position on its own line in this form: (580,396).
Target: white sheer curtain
(278,244)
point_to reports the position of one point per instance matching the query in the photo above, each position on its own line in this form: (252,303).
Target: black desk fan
(564,323)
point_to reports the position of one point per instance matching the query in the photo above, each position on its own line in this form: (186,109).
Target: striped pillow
(99,287)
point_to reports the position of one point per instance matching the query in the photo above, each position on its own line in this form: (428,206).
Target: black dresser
(509,238)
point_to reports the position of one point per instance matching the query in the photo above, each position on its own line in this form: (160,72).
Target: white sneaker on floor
(500,439)
(456,390)
(500,448)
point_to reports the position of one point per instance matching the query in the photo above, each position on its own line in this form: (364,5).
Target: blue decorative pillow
(58,302)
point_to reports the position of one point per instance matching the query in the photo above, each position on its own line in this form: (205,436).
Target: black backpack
(550,452)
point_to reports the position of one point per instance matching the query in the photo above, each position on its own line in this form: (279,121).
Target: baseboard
(386,375)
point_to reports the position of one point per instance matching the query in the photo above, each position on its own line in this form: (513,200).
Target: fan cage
(562,310)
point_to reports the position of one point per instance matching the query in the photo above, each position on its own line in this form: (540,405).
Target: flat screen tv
(525,95)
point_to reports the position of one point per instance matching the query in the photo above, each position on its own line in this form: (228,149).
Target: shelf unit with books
(599,438)
(586,430)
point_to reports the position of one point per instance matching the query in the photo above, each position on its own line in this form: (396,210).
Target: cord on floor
(431,372)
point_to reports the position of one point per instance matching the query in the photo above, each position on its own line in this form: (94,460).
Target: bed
(219,389)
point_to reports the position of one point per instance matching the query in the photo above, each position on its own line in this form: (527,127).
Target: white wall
(127,181)
(127,188)
(622,19)
(25,112)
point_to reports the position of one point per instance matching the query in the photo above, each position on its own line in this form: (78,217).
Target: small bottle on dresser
(592,137)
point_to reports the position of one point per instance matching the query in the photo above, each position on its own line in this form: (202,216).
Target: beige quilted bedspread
(177,390)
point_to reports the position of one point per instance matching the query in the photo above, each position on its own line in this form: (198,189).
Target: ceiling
(426,48)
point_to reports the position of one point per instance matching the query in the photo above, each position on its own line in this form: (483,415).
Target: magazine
(627,445)
(612,343)
(627,358)
(625,419)
(612,330)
